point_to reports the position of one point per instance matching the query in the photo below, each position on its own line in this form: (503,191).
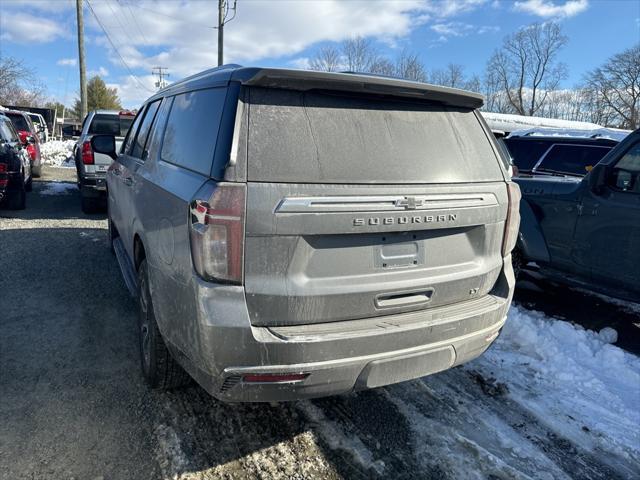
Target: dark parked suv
(15,167)
(556,154)
(297,234)
(586,230)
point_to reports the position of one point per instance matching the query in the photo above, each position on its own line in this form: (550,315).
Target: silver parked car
(293,234)
(91,167)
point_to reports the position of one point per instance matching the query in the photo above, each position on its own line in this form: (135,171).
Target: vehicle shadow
(52,200)
(591,311)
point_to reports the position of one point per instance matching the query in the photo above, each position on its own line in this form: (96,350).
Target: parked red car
(28,136)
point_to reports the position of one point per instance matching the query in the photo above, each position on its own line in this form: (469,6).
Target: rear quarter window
(192,129)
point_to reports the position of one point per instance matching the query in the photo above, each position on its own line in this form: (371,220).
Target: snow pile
(571,379)
(58,153)
(58,188)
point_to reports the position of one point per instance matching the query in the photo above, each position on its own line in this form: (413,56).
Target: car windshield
(109,124)
(572,159)
(19,121)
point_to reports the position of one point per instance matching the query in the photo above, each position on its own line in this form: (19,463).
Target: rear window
(526,153)
(324,137)
(19,122)
(105,124)
(572,159)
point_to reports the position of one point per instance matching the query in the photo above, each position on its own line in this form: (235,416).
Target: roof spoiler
(358,83)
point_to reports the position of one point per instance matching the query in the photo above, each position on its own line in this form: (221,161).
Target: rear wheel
(159,368)
(516,261)
(112,233)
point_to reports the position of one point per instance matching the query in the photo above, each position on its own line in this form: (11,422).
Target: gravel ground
(73,403)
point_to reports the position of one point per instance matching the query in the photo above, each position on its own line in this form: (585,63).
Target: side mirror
(105,144)
(597,178)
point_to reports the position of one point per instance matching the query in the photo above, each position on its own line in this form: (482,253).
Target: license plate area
(399,251)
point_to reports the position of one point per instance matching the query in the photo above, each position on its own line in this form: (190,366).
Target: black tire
(88,204)
(18,200)
(159,368)
(112,233)
(517,262)
(29,185)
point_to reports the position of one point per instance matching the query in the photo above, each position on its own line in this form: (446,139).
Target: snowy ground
(58,153)
(550,399)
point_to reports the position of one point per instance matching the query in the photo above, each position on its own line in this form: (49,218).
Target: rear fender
(531,241)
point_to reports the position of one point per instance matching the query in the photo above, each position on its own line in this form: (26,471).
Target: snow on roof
(509,123)
(609,133)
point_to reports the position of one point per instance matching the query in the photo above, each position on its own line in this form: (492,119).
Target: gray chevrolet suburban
(292,234)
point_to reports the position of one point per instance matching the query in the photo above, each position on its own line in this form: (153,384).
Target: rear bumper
(9,183)
(93,185)
(338,357)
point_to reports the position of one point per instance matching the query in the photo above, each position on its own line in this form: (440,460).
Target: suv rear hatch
(363,206)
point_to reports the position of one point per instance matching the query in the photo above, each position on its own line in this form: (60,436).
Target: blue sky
(177,34)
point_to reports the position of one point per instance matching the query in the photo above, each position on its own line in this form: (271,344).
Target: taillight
(3,167)
(512,224)
(274,377)
(23,134)
(3,181)
(87,153)
(217,234)
(31,150)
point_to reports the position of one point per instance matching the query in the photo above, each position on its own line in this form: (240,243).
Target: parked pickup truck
(586,230)
(91,167)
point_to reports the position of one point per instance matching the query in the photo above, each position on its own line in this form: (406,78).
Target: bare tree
(327,60)
(525,67)
(616,85)
(18,84)
(409,66)
(360,55)
(453,75)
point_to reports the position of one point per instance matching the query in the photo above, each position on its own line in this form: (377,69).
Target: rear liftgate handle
(390,300)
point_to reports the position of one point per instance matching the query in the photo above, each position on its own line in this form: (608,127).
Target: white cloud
(67,62)
(101,72)
(25,28)
(134,90)
(549,8)
(303,63)
(458,29)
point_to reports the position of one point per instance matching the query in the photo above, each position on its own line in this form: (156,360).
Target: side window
(192,129)
(7,131)
(526,153)
(131,134)
(625,176)
(572,159)
(143,132)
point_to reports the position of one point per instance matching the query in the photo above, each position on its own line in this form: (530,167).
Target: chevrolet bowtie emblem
(409,203)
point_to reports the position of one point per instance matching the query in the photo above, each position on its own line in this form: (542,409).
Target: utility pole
(162,73)
(223,11)
(83,74)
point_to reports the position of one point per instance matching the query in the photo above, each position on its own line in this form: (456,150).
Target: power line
(173,17)
(115,49)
